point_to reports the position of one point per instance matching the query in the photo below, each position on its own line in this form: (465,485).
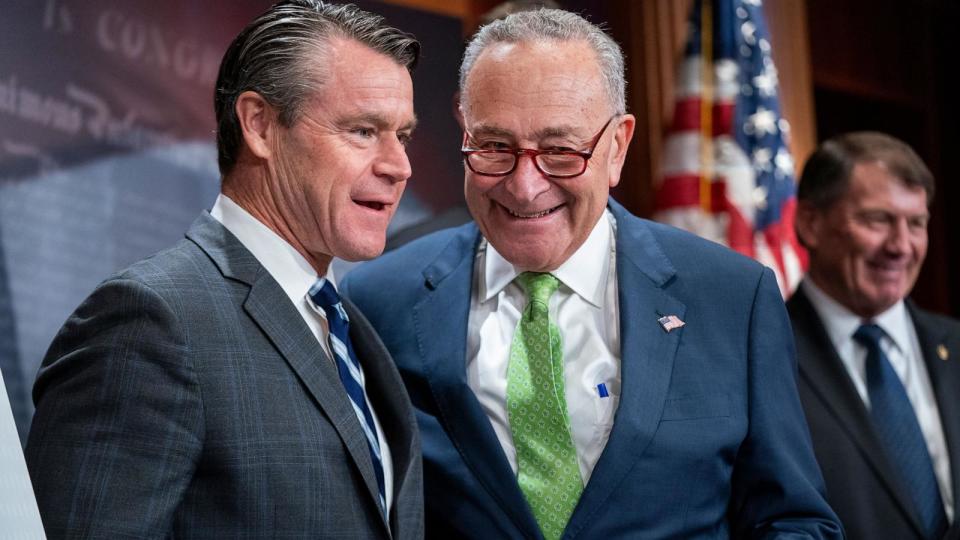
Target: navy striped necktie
(324,295)
(896,423)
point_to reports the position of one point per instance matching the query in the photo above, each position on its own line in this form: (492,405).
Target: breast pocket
(696,407)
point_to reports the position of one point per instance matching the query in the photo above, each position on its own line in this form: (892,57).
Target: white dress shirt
(295,276)
(586,311)
(902,347)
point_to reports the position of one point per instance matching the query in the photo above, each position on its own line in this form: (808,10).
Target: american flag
(671,322)
(727,173)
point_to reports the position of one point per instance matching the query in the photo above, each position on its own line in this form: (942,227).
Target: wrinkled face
(546,96)
(867,249)
(339,170)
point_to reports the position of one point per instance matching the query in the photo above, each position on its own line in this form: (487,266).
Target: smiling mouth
(533,215)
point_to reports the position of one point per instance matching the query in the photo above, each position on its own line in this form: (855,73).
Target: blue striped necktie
(896,423)
(324,296)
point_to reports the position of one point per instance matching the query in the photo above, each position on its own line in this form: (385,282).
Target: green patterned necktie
(548,471)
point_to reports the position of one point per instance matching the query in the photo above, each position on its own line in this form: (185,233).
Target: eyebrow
(379,121)
(491,131)
(540,134)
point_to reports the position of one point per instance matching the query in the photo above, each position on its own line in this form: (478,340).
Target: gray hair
(500,11)
(552,25)
(272,57)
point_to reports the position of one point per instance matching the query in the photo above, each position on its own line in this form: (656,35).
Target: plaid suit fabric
(185,398)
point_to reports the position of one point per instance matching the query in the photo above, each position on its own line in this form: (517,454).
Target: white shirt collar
(290,269)
(585,272)
(841,323)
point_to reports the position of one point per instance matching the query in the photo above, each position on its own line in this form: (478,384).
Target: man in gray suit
(219,388)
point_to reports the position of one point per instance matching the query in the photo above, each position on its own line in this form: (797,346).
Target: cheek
(920,245)
(862,242)
(477,188)
(586,199)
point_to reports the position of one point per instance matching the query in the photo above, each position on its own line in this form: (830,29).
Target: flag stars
(766,82)
(784,162)
(756,3)
(759,198)
(749,32)
(764,45)
(762,157)
(726,71)
(784,126)
(762,122)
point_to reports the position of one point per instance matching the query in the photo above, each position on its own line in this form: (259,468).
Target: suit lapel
(282,324)
(945,379)
(647,355)
(440,317)
(824,373)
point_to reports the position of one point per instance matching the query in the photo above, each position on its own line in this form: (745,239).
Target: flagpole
(706,105)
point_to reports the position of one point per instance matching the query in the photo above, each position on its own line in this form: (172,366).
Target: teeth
(530,216)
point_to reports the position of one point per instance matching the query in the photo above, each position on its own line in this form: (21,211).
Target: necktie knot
(869,335)
(325,296)
(539,287)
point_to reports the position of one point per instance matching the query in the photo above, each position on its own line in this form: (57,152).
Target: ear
(458,110)
(618,147)
(258,120)
(808,224)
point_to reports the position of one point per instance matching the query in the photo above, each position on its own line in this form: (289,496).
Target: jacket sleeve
(118,427)
(778,490)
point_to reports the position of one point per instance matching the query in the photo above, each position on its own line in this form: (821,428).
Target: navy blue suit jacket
(709,440)
(862,485)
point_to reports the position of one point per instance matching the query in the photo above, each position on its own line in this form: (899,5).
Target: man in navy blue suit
(864,204)
(578,371)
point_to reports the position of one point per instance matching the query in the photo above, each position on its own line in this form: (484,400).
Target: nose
(898,241)
(526,182)
(392,162)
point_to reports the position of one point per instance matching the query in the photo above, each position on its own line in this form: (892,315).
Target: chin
(362,255)
(528,264)
(878,303)
(355,251)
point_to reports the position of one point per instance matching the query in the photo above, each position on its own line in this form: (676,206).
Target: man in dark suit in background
(879,378)
(219,388)
(577,371)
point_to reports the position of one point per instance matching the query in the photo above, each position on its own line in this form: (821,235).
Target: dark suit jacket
(708,440)
(186,397)
(861,485)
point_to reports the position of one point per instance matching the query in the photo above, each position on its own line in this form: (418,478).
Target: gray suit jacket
(862,486)
(186,397)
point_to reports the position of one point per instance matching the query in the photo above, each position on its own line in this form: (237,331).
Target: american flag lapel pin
(670,323)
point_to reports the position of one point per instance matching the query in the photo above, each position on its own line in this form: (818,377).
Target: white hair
(552,25)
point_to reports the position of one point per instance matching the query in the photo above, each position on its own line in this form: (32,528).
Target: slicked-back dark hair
(274,57)
(826,175)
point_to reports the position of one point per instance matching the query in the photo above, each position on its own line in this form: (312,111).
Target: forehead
(356,79)
(873,185)
(536,83)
